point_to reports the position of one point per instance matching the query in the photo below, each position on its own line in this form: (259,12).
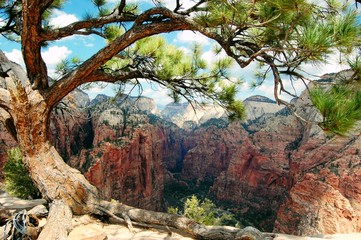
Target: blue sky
(85,46)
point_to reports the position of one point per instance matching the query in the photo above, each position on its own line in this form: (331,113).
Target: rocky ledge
(88,228)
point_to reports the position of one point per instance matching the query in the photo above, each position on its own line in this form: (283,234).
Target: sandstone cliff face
(131,173)
(211,149)
(70,127)
(249,162)
(281,174)
(257,177)
(277,172)
(325,193)
(325,173)
(126,161)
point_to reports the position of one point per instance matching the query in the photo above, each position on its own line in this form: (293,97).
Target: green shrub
(205,212)
(173,210)
(201,212)
(17,180)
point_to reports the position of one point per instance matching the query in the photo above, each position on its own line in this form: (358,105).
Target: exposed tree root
(182,225)
(58,223)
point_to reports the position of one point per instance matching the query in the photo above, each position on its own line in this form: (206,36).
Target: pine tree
(280,35)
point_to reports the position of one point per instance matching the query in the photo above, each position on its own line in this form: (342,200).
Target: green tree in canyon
(280,35)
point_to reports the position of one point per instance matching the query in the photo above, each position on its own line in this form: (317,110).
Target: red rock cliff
(133,173)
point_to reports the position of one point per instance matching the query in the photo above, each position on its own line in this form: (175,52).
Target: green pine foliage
(183,74)
(340,107)
(17,180)
(290,33)
(281,35)
(57,4)
(112,31)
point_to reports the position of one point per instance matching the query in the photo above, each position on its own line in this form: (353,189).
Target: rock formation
(325,177)
(188,116)
(280,173)
(129,145)
(274,171)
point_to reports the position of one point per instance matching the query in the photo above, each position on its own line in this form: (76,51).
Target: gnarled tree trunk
(53,177)
(68,190)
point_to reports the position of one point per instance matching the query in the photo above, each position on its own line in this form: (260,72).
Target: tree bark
(53,177)
(58,223)
(180,224)
(66,187)
(56,180)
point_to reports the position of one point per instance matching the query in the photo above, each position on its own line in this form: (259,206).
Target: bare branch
(194,8)
(178,6)
(11,21)
(121,6)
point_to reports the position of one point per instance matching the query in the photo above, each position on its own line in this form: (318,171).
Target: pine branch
(76,78)
(194,8)
(82,26)
(45,4)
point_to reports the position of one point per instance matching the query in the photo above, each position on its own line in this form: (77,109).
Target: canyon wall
(276,172)
(128,149)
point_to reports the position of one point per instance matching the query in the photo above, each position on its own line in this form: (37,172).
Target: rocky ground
(88,228)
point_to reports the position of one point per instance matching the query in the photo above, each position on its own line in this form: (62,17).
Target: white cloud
(210,57)
(16,56)
(101,88)
(62,19)
(334,64)
(189,36)
(160,96)
(54,55)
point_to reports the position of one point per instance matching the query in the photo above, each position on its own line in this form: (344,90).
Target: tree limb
(31,44)
(58,90)
(66,85)
(194,8)
(74,28)
(183,225)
